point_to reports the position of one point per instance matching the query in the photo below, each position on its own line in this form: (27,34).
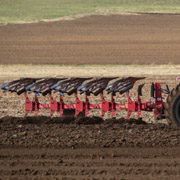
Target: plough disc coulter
(87,86)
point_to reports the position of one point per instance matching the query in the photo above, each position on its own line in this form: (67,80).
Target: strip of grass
(14,11)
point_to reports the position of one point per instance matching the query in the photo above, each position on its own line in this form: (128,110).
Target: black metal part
(140,89)
(18,86)
(126,88)
(43,86)
(123,85)
(63,85)
(69,86)
(166,90)
(152,90)
(95,86)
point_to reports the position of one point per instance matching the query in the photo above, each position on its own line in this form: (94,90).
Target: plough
(99,86)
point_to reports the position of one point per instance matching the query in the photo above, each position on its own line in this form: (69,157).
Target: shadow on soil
(66,120)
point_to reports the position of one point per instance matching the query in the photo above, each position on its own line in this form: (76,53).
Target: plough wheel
(172,107)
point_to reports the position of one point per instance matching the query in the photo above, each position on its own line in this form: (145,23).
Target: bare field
(90,164)
(114,39)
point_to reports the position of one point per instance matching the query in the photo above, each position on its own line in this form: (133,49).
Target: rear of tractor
(96,87)
(172,106)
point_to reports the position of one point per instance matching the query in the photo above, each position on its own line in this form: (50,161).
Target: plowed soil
(43,148)
(101,163)
(116,39)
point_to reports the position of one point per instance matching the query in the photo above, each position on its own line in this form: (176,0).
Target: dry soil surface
(115,39)
(43,148)
(101,163)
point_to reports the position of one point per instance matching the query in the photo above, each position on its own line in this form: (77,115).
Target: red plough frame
(156,104)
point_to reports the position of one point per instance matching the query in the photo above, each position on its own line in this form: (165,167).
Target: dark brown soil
(43,148)
(116,39)
(90,163)
(89,133)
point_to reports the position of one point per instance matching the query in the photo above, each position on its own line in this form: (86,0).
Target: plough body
(87,86)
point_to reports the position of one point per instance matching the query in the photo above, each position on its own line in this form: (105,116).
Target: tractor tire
(172,106)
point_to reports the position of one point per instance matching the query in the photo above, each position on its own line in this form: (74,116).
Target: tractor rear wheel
(172,107)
